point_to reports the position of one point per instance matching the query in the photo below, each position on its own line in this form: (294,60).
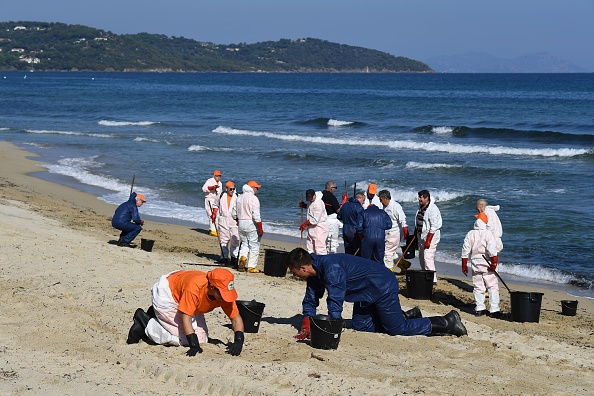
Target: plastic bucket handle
(326,331)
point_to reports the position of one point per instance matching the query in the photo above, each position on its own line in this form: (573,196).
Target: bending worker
(127,219)
(349,215)
(373,224)
(180,300)
(371,287)
(399,228)
(247,214)
(494,223)
(316,223)
(211,189)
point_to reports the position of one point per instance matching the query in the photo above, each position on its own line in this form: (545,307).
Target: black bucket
(325,331)
(410,253)
(251,314)
(569,307)
(525,306)
(147,244)
(274,263)
(419,284)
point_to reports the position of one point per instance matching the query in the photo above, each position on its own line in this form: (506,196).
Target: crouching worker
(372,288)
(127,219)
(180,300)
(480,242)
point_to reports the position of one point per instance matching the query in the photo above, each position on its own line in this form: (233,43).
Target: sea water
(522,141)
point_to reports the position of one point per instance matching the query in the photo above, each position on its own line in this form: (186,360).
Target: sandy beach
(68,295)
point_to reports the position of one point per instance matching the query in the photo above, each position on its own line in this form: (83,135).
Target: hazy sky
(418,29)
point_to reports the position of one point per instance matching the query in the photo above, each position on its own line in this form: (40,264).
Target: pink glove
(260,230)
(213,188)
(428,240)
(494,262)
(304,225)
(465,266)
(213,216)
(345,198)
(305,331)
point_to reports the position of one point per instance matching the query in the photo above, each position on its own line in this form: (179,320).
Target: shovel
(405,264)
(496,274)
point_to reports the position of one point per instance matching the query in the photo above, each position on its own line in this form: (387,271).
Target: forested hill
(62,47)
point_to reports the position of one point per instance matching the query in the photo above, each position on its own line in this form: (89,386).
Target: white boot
(479,298)
(494,301)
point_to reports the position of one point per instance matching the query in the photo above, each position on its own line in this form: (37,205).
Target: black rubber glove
(194,345)
(234,349)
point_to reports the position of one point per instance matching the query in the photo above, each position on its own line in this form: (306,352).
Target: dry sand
(67,297)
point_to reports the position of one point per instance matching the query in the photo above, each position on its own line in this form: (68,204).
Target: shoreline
(443,268)
(76,293)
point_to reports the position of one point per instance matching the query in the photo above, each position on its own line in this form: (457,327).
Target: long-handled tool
(132,186)
(402,257)
(217,231)
(496,274)
(301,222)
(355,189)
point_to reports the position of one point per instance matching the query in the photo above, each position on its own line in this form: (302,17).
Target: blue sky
(416,29)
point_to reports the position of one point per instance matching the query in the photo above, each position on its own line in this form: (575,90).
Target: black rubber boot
(450,324)
(136,332)
(412,313)
(151,312)
(233,263)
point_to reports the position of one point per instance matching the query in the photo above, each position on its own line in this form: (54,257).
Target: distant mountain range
(478,62)
(62,47)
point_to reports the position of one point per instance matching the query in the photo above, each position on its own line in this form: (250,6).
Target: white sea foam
(4,129)
(442,129)
(49,132)
(78,168)
(412,195)
(126,123)
(412,145)
(338,123)
(197,147)
(144,139)
(421,165)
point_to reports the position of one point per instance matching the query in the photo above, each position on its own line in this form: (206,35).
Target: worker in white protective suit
(478,242)
(316,223)
(398,231)
(247,214)
(212,189)
(427,229)
(227,226)
(494,223)
(371,197)
(332,208)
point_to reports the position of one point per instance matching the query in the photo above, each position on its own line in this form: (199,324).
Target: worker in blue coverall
(372,288)
(127,219)
(373,224)
(349,214)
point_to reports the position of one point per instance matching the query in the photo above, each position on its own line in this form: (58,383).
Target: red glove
(465,266)
(302,205)
(213,188)
(304,225)
(494,262)
(345,197)
(141,222)
(405,233)
(359,235)
(305,331)
(428,240)
(260,230)
(213,216)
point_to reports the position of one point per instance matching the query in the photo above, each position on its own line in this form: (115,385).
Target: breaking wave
(126,123)
(43,131)
(414,145)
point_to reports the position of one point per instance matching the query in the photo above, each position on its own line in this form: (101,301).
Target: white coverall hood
(247,189)
(480,225)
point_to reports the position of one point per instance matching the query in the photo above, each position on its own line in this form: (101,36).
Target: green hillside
(62,47)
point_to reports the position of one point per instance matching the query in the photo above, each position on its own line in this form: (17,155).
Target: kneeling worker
(180,300)
(372,287)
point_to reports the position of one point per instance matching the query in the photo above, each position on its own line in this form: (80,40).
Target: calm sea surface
(522,141)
